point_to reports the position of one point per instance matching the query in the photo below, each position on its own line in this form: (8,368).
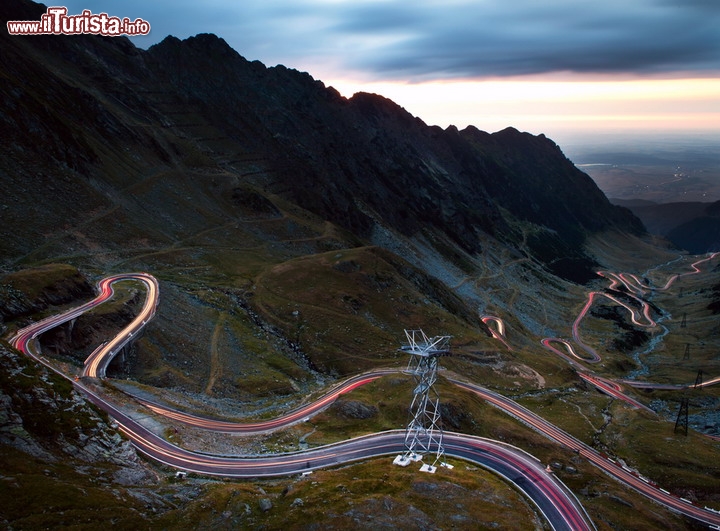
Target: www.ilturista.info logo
(57,22)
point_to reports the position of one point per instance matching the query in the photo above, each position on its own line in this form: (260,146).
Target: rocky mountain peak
(363,163)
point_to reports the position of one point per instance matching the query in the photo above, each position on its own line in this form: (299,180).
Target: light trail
(635,289)
(613,389)
(554,500)
(249,428)
(96,364)
(632,479)
(557,503)
(498,332)
(548,341)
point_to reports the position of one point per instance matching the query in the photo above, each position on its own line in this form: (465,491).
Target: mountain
(693,226)
(319,223)
(349,160)
(217,172)
(107,114)
(701,234)
(296,234)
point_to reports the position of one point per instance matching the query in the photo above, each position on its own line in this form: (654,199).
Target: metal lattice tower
(423,433)
(686,356)
(699,380)
(681,423)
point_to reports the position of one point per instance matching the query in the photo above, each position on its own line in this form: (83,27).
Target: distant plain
(661,169)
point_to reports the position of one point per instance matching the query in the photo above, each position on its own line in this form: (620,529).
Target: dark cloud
(435,39)
(486,39)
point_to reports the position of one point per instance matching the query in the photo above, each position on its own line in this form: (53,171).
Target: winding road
(635,289)
(251,428)
(553,499)
(619,472)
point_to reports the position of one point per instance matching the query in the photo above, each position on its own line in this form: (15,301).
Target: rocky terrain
(295,233)
(122,116)
(216,172)
(50,439)
(28,292)
(45,416)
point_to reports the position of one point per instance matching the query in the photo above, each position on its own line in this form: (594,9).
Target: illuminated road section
(96,364)
(625,475)
(636,289)
(248,428)
(612,389)
(498,331)
(553,499)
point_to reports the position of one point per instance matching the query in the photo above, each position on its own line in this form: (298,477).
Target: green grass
(128,293)
(352,305)
(605,499)
(37,494)
(368,495)
(34,281)
(337,305)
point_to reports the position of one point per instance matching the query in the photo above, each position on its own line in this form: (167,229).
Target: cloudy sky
(560,67)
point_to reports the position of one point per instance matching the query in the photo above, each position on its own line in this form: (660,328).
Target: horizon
(575,75)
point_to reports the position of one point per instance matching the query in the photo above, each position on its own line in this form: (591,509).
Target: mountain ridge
(404,147)
(360,162)
(188,157)
(295,234)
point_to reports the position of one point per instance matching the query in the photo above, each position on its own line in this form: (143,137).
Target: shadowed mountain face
(701,234)
(364,160)
(85,117)
(693,226)
(296,234)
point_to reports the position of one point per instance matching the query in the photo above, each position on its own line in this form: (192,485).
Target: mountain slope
(693,226)
(119,112)
(349,160)
(295,234)
(210,171)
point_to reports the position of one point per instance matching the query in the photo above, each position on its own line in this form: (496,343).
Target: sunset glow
(559,67)
(558,107)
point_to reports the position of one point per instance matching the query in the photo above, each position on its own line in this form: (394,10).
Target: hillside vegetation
(296,234)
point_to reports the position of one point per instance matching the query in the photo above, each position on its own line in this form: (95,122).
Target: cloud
(450,39)
(482,39)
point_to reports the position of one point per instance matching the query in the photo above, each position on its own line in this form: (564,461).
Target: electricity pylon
(423,433)
(681,423)
(699,380)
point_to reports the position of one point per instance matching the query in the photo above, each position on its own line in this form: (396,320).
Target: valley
(677,263)
(661,168)
(291,236)
(671,183)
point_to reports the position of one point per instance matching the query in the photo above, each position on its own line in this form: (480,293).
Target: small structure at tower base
(405,459)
